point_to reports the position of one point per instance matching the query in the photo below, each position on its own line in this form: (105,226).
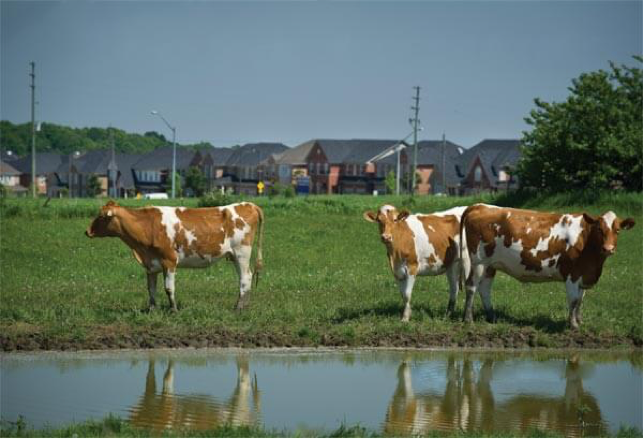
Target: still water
(396,392)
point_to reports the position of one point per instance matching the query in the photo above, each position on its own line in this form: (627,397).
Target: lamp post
(156,113)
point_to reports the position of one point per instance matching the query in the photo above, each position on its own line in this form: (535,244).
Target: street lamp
(156,113)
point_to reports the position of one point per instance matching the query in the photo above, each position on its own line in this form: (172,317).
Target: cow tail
(259,256)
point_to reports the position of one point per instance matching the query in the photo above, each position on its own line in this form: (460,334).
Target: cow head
(386,218)
(604,231)
(106,223)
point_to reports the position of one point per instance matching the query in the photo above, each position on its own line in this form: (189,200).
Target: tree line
(65,140)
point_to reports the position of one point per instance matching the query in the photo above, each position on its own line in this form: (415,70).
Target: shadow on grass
(540,322)
(392,310)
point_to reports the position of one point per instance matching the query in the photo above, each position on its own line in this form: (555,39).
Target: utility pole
(444,166)
(112,168)
(33,129)
(415,121)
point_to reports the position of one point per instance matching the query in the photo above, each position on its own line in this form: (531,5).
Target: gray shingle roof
(46,163)
(494,155)
(251,154)
(296,155)
(430,153)
(7,169)
(161,158)
(355,150)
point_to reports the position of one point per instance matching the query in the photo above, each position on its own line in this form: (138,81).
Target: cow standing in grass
(163,239)
(422,245)
(536,246)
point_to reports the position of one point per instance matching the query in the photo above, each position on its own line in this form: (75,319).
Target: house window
(325,168)
(311,168)
(477,174)
(502,176)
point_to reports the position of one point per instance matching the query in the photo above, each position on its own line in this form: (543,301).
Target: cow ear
(370,216)
(589,219)
(403,215)
(627,224)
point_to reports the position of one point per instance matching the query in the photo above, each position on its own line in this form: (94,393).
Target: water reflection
(468,402)
(167,409)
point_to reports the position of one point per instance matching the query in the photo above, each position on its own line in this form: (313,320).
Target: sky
(288,71)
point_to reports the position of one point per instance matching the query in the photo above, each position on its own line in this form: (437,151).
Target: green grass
(326,282)
(115,427)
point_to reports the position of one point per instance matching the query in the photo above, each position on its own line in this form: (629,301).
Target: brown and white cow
(536,246)
(165,238)
(421,245)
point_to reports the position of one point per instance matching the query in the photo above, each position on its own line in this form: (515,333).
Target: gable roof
(494,155)
(161,159)
(296,155)
(430,152)
(354,150)
(46,163)
(251,154)
(7,169)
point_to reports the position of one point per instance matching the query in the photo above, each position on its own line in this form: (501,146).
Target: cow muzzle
(386,238)
(89,234)
(609,249)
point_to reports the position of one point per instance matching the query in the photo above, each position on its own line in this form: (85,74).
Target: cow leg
(579,309)
(574,297)
(453,273)
(168,274)
(242,264)
(485,293)
(471,286)
(151,289)
(406,289)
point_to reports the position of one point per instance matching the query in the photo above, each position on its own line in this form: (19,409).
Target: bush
(216,198)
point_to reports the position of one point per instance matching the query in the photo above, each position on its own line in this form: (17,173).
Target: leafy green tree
(195,180)
(93,186)
(593,140)
(389,182)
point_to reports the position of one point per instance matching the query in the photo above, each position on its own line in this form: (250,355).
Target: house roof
(161,158)
(296,155)
(46,163)
(7,169)
(220,156)
(494,155)
(430,153)
(251,154)
(355,150)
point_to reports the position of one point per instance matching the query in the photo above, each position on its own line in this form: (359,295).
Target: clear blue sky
(236,72)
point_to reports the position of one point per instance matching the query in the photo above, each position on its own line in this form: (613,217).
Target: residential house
(10,179)
(436,167)
(251,163)
(488,166)
(152,171)
(47,164)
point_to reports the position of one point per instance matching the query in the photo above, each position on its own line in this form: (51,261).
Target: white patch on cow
(431,228)
(423,247)
(528,230)
(190,237)
(508,214)
(609,218)
(566,232)
(169,220)
(386,208)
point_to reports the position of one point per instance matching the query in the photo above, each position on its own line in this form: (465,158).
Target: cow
(164,238)
(421,245)
(536,246)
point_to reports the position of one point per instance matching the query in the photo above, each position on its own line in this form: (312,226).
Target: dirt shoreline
(521,338)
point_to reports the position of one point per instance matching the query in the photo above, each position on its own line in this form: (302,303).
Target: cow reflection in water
(165,409)
(468,404)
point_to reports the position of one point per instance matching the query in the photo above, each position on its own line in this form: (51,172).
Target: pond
(389,391)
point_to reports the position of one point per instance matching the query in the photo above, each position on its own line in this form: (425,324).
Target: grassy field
(325,282)
(115,427)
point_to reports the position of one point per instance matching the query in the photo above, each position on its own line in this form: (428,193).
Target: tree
(389,182)
(196,181)
(593,140)
(93,186)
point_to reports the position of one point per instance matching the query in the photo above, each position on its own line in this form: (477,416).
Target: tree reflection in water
(468,403)
(166,409)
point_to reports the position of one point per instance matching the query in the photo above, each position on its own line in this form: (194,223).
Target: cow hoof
(491,317)
(174,310)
